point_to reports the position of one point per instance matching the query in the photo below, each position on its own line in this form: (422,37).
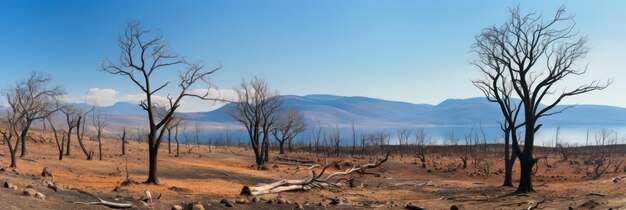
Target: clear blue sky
(415,51)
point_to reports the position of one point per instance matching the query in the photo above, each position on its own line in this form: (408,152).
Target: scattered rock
(241,201)
(227,203)
(9,185)
(589,204)
(179,189)
(29,192)
(256,199)
(414,207)
(299,206)
(40,195)
(335,201)
(281,201)
(46,172)
(177,207)
(197,206)
(271,201)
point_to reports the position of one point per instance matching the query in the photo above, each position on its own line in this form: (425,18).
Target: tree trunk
(152,172)
(13,159)
(281,144)
(525,184)
(169,142)
(69,139)
(99,147)
(23,138)
(508,160)
(124,143)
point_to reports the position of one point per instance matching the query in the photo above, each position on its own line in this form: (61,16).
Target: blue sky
(414,51)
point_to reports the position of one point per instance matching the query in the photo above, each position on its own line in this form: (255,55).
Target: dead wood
(103,202)
(315,181)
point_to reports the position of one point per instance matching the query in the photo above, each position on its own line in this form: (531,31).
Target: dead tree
(10,134)
(63,135)
(289,125)
(145,54)
(422,141)
(257,110)
(80,132)
(315,181)
(519,46)
(403,139)
(604,154)
(32,99)
(71,118)
(99,123)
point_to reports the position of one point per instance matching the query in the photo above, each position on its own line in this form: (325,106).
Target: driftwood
(315,181)
(537,204)
(103,202)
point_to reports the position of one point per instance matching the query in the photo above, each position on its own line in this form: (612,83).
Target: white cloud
(108,97)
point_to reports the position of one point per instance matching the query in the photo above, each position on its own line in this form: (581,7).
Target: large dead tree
(80,131)
(537,55)
(497,88)
(315,181)
(257,110)
(145,54)
(31,100)
(289,125)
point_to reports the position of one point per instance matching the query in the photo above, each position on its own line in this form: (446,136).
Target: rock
(40,195)
(241,201)
(9,185)
(227,203)
(589,204)
(281,201)
(322,204)
(46,172)
(457,207)
(335,201)
(429,171)
(271,201)
(299,206)
(29,192)
(177,207)
(274,166)
(414,207)
(256,199)
(265,168)
(197,206)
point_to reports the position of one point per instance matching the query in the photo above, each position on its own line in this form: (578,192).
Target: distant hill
(331,110)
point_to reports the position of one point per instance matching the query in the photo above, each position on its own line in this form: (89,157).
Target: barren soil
(207,177)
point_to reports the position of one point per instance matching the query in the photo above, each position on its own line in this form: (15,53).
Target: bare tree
(71,118)
(422,141)
(80,132)
(289,125)
(257,110)
(403,139)
(99,123)
(31,100)
(143,55)
(63,134)
(124,142)
(518,46)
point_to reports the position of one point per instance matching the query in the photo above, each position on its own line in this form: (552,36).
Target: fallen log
(103,202)
(294,160)
(315,181)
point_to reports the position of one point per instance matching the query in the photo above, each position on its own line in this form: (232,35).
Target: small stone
(197,206)
(177,207)
(8,185)
(281,201)
(241,201)
(256,199)
(29,192)
(40,196)
(227,203)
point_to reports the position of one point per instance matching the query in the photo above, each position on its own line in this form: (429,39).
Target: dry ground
(207,177)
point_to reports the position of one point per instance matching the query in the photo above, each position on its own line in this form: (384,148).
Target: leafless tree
(124,142)
(62,134)
(403,139)
(257,110)
(80,131)
(604,154)
(31,100)
(422,142)
(145,54)
(71,118)
(289,125)
(518,46)
(99,123)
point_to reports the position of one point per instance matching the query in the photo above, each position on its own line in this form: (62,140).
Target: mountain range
(332,110)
